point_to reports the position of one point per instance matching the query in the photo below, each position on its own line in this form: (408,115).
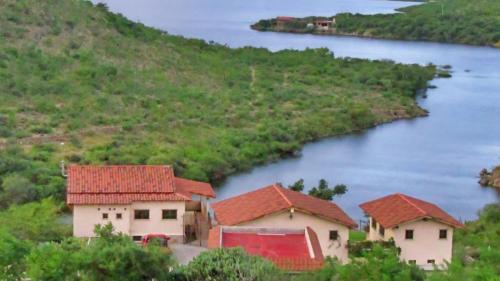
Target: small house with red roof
(422,230)
(277,207)
(293,250)
(137,200)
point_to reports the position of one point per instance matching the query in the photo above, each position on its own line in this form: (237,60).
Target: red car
(161,238)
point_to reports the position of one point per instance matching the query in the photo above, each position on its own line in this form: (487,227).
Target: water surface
(436,158)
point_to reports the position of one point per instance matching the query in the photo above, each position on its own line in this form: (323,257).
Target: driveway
(184,253)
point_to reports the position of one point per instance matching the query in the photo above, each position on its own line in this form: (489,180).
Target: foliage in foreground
(452,21)
(82,84)
(322,191)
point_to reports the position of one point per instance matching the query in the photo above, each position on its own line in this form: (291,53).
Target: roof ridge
(411,203)
(282,195)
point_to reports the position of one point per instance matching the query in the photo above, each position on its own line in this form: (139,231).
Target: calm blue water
(436,158)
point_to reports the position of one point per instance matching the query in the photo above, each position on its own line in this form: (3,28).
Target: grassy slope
(118,92)
(451,21)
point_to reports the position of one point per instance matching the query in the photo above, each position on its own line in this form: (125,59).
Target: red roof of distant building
(289,249)
(285,18)
(129,183)
(398,208)
(272,199)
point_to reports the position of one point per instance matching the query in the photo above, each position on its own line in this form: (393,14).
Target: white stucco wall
(425,244)
(321,226)
(85,217)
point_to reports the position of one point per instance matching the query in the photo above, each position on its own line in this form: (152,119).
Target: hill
(80,83)
(449,21)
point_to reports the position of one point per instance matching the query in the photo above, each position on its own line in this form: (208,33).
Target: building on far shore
(138,200)
(422,230)
(282,21)
(292,250)
(277,207)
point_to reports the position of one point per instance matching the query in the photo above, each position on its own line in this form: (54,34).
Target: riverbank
(447,21)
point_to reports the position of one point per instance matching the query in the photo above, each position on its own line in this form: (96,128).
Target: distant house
(324,24)
(137,200)
(422,230)
(289,249)
(278,207)
(282,21)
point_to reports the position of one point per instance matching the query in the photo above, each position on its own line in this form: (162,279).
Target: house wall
(425,244)
(85,217)
(321,226)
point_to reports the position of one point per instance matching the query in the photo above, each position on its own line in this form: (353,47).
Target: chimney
(63,169)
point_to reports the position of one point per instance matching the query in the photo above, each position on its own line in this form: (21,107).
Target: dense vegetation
(451,21)
(35,244)
(82,84)
(490,178)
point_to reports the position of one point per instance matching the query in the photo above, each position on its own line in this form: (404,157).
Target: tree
(16,190)
(297,186)
(323,191)
(232,264)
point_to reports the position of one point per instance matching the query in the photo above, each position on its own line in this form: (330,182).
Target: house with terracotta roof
(293,250)
(137,200)
(277,207)
(422,230)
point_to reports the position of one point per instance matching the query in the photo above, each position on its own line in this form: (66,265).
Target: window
(169,214)
(443,234)
(104,216)
(334,235)
(412,262)
(431,261)
(118,216)
(141,214)
(381,230)
(137,238)
(409,234)
(374,223)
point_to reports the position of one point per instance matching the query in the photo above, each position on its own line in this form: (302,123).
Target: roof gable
(272,199)
(398,208)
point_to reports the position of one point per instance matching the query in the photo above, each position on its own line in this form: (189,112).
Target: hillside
(83,84)
(450,21)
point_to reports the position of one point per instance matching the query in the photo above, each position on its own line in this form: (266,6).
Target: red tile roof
(126,184)
(398,208)
(272,199)
(288,249)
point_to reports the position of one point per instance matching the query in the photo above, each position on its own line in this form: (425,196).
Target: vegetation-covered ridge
(80,83)
(450,21)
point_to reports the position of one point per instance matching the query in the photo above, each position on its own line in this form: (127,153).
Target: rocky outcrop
(490,178)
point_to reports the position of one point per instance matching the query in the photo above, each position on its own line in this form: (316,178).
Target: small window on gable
(334,235)
(431,261)
(104,216)
(409,234)
(169,214)
(118,216)
(141,214)
(374,223)
(381,230)
(443,234)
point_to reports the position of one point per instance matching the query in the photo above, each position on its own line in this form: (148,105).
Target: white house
(422,230)
(278,207)
(137,200)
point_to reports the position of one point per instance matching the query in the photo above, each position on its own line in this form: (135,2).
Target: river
(436,158)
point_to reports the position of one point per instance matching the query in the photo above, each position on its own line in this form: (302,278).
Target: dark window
(137,238)
(104,216)
(412,262)
(381,230)
(374,223)
(334,235)
(118,216)
(431,261)
(169,214)
(141,214)
(409,234)
(443,234)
